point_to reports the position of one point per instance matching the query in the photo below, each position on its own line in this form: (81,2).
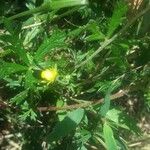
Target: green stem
(29,12)
(54,18)
(54,5)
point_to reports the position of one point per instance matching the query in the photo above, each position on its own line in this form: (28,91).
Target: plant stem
(29,12)
(54,5)
(55,18)
(82,105)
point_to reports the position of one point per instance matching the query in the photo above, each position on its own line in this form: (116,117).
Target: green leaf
(30,80)
(94,29)
(28,113)
(105,107)
(30,35)
(15,46)
(122,120)
(15,41)
(10,68)
(115,116)
(5,53)
(94,37)
(57,40)
(19,98)
(116,18)
(13,29)
(82,148)
(76,32)
(109,137)
(67,3)
(20,51)
(84,136)
(33,115)
(68,124)
(13,83)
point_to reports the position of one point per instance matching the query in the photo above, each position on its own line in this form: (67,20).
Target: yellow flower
(49,75)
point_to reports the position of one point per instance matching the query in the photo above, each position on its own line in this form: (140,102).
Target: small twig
(135,144)
(92,147)
(82,105)
(32,25)
(138,142)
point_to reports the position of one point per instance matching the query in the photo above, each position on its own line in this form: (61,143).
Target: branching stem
(82,105)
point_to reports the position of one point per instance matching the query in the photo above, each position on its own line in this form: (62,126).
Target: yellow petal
(49,74)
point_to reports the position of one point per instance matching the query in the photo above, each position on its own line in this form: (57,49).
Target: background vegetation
(101,96)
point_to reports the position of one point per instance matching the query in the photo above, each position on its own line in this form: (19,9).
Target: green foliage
(57,40)
(77,111)
(68,124)
(116,19)
(19,98)
(67,3)
(121,119)
(10,68)
(109,137)
(105,107)
(15,42)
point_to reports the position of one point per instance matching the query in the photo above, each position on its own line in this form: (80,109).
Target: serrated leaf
(19,98)
(30,35)
(57,40)
(68,124)
(15,41)
(16,47)
(10,68)
(109,137)
(28,113)
(116,19)
(30,80)
(96,34)
(20,51)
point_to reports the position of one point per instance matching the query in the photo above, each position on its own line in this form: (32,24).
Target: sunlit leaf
(57,40)
(30,80)
(122,120)
(10,68)
(68,124)
(109,137)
